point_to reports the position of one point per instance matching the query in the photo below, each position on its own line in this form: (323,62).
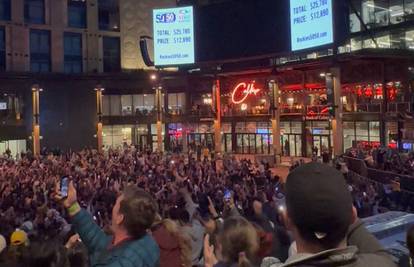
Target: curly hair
(139,210)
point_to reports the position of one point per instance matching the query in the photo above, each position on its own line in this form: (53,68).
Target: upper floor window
(40,51)
(112,54)
(34,11)
(77,14)
(5,10)
(108,11)
(73,52)
(2,49)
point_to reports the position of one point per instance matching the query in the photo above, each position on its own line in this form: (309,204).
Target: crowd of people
(128,207)
(385,159)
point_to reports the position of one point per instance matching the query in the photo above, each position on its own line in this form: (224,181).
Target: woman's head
(238,241)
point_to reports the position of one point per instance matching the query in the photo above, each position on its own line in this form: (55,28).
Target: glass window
(126,103)
(106,105)
(176,102)
(396,11)
(39,51)
(2,49)
(297,127)
(77,14)
(5,9)
(34,11)
(115,105)
(285,127)
(409,39)
(349,134)
(355,23)
(73,52)
(143,102)
(374,130)
(409,9)
(108,11)
(112,54)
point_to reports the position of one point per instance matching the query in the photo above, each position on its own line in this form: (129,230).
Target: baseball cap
(319,203)
(3,243)
(18,237)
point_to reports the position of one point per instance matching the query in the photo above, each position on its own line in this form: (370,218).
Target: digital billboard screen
(174,36)
(311,23)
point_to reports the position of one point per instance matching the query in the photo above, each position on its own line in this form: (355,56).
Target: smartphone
(64,186)
(227,195)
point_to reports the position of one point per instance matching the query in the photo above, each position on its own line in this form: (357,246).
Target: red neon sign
(242,91)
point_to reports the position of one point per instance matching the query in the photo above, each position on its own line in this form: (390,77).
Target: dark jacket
(143,252)
(363,251)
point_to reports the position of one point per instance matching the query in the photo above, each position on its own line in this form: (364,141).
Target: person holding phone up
(130,245)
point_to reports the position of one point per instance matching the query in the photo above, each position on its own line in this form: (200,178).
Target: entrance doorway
(204,139)
(291,145)
(321,142)
(253,143)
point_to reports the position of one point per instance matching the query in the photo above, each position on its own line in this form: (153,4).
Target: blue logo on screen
(165,18)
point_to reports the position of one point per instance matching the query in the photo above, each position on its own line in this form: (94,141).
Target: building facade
(358,94)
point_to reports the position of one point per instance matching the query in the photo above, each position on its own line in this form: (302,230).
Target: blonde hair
(183,242)
(239,241)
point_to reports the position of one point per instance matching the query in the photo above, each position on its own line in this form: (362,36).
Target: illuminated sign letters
(242,91)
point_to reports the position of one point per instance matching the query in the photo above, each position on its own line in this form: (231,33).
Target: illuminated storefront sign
(242,91)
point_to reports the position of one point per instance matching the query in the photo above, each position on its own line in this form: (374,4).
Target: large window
(5,9)
(112,54)
(77,14)
(39,51)
(176,103)
(361,134)
(2,49)
(128,105)
(34,11)
(116,136)
(379,13)
(73,52)
(108,15)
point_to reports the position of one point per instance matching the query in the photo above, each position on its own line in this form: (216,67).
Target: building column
(158,95)
(99,128)
(185,141)
(217,120)
(36,116)
(337,125)
(277,151)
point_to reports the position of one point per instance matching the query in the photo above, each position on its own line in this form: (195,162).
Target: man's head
(319,205)
(134,212)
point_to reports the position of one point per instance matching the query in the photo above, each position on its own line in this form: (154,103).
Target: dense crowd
(179,210)
(385,159)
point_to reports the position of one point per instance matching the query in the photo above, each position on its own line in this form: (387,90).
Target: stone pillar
(158,96)
(57,12)
(99,128)
(277,151)
(337,125)
(217,120)
(185,141)
(36,116)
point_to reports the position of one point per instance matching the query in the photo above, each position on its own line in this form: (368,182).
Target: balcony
(366,108)
(240,113)
(399,107)
(291,110)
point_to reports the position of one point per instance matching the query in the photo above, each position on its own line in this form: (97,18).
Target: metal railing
(399,107)
(317,109)
(292,109)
